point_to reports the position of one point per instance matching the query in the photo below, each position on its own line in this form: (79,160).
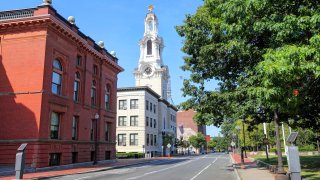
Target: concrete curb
(234,167)
(96,170)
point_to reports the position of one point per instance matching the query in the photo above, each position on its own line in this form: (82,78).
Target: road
(210,166)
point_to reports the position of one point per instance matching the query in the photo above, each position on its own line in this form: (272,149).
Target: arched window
(93,93)
(56,85)
(149,47)
(76,87)
(107,97)
(150,24)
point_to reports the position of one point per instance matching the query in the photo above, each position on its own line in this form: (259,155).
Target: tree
(260,51)
(197,140)
(212,144)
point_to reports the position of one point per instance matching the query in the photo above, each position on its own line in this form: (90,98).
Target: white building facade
(144,115)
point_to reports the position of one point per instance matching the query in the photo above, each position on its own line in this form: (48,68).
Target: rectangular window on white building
(121,139)
(134,139)
(133,120)
(123,104)
(134,104)
(122,121)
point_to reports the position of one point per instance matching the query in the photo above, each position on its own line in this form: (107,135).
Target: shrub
(309,147)
(124,155)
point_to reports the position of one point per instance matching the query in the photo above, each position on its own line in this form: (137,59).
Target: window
(74,157)
(133,120)
(149,47)
(76,87)
(164,123)
(147,121)
(122,121)
(154,123)
(147,105)
(150,106)
(107,97)
(150,24)
(75,121)
(123,104)
(107,155)
(134,104)
(151,138)
(155,140)
(54,159)
(154,108)
(93,93)
(150,122)
(54,129)
(79,60)
(56,77)
(121,139)
(134,139)
(95,69)
(107,131)
(147,139)
(92,130)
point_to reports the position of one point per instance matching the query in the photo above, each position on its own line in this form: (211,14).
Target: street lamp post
(244,138)
(239,146)
(96,117)
(163,144)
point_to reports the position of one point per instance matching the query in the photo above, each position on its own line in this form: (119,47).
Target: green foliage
(181,143)
(309,147)
(310,165)
(259,51)
(212,144)
(124,155)
(167,140)
(197,140)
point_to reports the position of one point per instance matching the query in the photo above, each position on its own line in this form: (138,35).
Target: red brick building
(186,126)
(57,90)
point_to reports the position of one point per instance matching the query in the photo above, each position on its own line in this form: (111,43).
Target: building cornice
(63,26)
(139,88)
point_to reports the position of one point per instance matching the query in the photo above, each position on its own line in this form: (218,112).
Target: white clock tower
(151,71)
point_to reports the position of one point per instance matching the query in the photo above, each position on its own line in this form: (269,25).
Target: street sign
(168,145)
(233,144)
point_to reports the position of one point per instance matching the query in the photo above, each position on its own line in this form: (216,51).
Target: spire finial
(150,8)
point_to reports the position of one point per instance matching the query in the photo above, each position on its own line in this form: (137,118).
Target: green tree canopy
(197,140)
(258,51)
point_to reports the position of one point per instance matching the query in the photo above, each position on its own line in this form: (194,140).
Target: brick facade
(28,46)
(186,127)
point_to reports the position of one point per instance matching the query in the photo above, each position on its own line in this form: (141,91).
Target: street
(210,166)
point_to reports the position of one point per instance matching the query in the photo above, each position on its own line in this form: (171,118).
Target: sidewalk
(251,170)
(93,168)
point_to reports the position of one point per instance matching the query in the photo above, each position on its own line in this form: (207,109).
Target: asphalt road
(211,166)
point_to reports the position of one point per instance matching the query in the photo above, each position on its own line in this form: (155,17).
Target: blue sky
(120,24)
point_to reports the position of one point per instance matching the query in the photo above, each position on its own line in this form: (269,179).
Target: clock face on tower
(148,71)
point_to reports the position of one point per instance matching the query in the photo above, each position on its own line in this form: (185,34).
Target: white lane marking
(152,172)
(194,177)
(82,178)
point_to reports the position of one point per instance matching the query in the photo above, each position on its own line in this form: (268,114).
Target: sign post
(169,146)
(233,146)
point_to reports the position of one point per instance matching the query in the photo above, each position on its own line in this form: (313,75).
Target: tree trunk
(278,145)
(318,143)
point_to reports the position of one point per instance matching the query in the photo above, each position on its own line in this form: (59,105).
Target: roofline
(149,90)
(52,13)
(139,88)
